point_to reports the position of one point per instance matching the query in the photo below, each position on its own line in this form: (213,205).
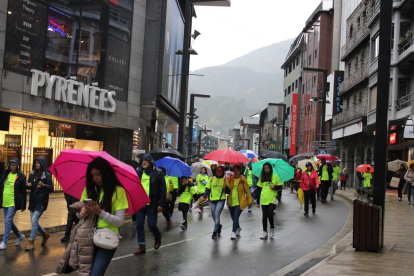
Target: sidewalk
(396,255)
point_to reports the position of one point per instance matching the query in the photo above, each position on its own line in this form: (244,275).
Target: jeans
(343,184)
(333,188)
(296,185)
(102,258)
(151,214)
(235,213)
(216,209)
(267,214)
(410,191)
(309,195)
(34,218)
(9,213)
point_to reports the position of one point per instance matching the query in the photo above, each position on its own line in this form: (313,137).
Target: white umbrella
(395,165)
(196,169)
(302,164)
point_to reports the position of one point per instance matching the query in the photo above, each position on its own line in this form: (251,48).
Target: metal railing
(375,11)
(360,34)
(405,101)
(349,114)
(405,44)
(359,75)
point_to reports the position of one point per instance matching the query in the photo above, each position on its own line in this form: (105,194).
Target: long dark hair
(38,173)
(203,168)
(109,183)
(267,177)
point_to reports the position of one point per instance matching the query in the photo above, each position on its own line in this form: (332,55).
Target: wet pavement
(193,252)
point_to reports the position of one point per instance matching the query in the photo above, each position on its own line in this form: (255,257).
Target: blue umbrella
(249,153)
(174,167)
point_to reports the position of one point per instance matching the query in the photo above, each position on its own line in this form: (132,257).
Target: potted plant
(408,34)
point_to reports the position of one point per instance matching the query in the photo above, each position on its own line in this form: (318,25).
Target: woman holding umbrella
(309,183)
(266,193)
(108,204)
(215,192)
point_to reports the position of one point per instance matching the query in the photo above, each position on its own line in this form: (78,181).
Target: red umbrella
(227,155)
(327,157)
(363,168)
(70,170)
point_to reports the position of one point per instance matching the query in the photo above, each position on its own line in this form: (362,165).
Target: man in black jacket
(12,198)
(153,182)
(325,174)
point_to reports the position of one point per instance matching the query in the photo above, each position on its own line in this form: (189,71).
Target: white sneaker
(20,239)
(233,236)
(264,235)
(238,232)
(200,211)
(249,210)
(3,246)
(271,233)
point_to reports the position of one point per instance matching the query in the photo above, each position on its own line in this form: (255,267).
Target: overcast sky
(228,33)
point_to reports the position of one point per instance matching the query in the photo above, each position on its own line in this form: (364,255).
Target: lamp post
(191,120)
(188,15)
(324,88)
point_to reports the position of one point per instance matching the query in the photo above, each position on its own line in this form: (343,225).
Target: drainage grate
(306,266)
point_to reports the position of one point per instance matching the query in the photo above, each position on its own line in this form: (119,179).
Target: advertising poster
(25,40)
(117,68)
(45,152)
(172,63)
(62,130)
(13,147)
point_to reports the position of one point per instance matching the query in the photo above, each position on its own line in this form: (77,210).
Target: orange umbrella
(363,168)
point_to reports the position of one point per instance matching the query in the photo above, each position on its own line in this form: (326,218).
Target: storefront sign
(73,92)
(85,132)
(338,79)
(293,125)
(272,145)
(45,152)
(117,68)
(62,130)
(393,138)
(25,40)
(409,128)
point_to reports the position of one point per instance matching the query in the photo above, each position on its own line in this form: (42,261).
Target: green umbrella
(280,167)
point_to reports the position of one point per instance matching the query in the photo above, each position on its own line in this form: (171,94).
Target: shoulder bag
(106,238)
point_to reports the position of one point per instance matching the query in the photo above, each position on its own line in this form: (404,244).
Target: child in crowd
(186,192)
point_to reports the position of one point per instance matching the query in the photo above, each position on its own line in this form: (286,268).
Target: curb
(326,251)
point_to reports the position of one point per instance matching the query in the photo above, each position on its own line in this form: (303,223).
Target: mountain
(241,87)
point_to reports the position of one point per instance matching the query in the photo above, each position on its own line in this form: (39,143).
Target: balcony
(358,76)
(404,102)
(352,113)
(361,33)
(375,13)
(405,43)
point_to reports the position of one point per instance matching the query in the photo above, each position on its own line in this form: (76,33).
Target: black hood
(14,160)
(148,157)
(43,163)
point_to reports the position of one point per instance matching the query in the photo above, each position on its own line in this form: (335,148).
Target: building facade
(292,89)
(317,53)
(271,124)
(70,77)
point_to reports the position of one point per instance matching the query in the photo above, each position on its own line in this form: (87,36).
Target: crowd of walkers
(103,203)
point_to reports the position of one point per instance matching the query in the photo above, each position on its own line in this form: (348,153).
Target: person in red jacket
(296,178)
(309,183)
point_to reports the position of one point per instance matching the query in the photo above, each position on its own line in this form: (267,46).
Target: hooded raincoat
(39,197)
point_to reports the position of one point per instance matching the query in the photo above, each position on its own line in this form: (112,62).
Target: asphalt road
(193,252)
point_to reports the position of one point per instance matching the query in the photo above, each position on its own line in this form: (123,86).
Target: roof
(271,112)
(295,47)
(250,121)
(324,6)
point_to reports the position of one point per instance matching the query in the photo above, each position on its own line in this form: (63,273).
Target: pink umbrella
(70,171)
(227,155)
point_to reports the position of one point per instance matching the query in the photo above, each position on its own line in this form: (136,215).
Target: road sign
(320,147)
(322,152)
(325,143)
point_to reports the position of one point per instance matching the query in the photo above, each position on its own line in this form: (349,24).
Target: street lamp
(324,90)
(190,122)
(188,15)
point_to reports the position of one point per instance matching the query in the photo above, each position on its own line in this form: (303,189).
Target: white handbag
(106,238)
